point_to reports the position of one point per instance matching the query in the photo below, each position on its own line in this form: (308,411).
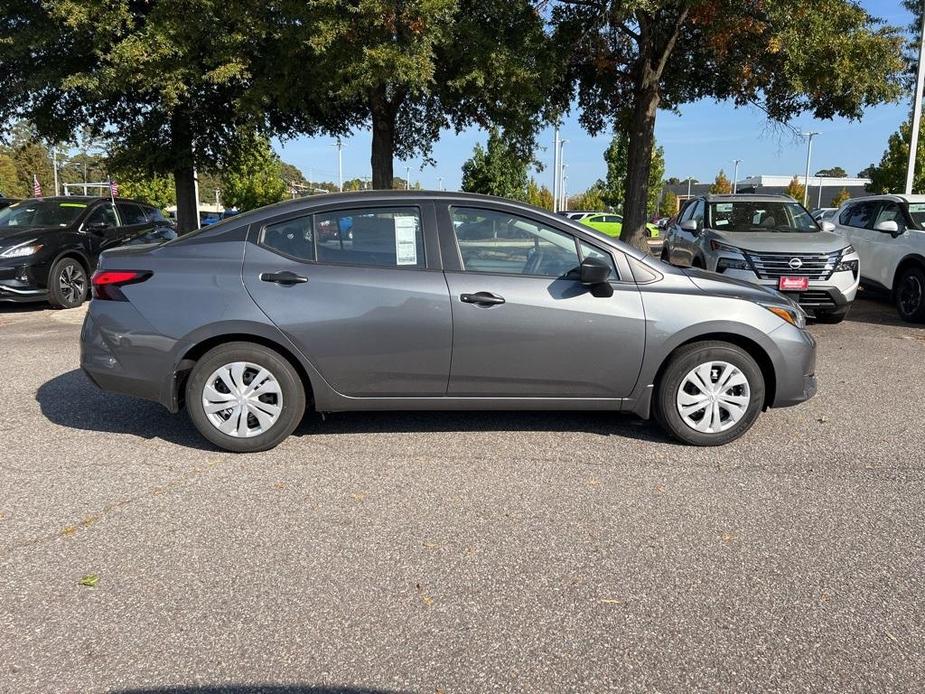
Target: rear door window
(292,237)
(131,213)
(382,237)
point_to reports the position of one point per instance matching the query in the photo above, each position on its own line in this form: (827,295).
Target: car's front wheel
(709,394)
(68,285)
(244,397)
(910,295)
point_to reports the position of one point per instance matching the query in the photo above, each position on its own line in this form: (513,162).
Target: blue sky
(704,138)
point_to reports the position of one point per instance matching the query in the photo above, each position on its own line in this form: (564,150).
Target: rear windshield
(750,215)
(41,213)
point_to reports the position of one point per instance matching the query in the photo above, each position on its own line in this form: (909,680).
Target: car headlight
(22,250)
(792,315)
(847,265)
(719,246)
(847,250)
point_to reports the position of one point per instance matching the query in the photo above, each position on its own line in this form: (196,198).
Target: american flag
(36,188)
(113,189)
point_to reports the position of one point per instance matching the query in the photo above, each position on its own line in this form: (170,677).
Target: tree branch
(672,42)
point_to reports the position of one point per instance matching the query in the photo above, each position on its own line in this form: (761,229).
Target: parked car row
(49,247)
(772,240)
(607,223)
(433,301)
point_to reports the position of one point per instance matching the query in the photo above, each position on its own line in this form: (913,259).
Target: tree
(673,181)
(254,177)
(9,179)
(538,195)
(632,57)
(406,70)
(889,176)
(840,197)
(721,184)
(496,170)
(834,172)
(656,172)
(170,81)
(591,199)
(795,189)
(669,205)
(614,187)
(157,190)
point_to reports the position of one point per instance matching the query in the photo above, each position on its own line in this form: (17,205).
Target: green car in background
(612,224)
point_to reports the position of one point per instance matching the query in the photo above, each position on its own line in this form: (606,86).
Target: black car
(49,247)
(6,202)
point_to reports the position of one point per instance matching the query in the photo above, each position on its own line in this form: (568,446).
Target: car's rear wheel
(68,285)
(709,394)
(244,397)
(910,295)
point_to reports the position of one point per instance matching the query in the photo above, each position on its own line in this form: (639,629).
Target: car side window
(687,211)
(104,214)
(131,213)
(382,237)
(845,215)
(292,237)
(503,243)
(862,215)
(890,212)
(153,214)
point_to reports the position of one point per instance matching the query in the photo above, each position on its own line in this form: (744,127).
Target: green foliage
(721,184)
(795,189)
(9,177)
(538,195)
(841,196)
(656,172)
(889,176)
(157,190)
(253,178)
(591,199)
(669,204)
(834,172)
(496,170)
(614,186)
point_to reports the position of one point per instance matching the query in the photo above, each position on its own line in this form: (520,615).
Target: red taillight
(107,283)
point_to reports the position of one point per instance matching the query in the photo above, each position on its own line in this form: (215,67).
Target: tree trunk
(184,174)
(639,161)
(383,150)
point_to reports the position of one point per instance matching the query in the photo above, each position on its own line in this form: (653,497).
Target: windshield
(750,215)
(917,212)
(41,213)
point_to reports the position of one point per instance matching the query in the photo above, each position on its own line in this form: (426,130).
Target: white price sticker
(406,243)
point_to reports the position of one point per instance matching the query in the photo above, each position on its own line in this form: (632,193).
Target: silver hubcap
(242,399)
(713,397)
(73,282)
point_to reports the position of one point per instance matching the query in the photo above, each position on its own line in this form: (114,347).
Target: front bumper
(23,282)
(794,366)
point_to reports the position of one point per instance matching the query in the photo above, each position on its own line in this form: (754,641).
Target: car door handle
(481,299)
(285,278)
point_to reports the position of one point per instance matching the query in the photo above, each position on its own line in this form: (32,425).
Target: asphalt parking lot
(470,552)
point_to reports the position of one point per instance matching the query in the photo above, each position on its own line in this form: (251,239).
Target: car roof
(751,197)
(895,197)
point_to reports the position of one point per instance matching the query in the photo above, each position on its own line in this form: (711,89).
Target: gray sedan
(404,300)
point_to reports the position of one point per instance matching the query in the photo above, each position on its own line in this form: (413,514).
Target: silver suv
(770,240)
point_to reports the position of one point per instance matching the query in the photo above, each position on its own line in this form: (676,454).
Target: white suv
(887,231)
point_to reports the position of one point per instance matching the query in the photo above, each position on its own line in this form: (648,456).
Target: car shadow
(71,400)
(876,308)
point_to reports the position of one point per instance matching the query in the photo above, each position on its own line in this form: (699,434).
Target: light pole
(916,112)
(407,178)
(440,183)
(735,177)
(340,165)
(809,155)
(562,167)
(555,172)
(689,179)
(564,194)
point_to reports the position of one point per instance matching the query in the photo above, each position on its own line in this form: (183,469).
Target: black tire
(698,263)
(665,256)
(685,360)
(291,392)
(68,284)
(910,295)
(831,317)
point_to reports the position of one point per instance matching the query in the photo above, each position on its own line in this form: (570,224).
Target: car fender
(906,261)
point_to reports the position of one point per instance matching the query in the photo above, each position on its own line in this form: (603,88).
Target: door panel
(550,338)
(370,331)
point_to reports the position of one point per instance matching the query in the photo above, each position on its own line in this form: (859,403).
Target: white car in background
(888,232)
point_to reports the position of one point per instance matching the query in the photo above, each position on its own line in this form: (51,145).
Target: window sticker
(406,246)
(918,207)
(724,207)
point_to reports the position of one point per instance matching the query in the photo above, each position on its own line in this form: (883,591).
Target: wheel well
(75,256)
(754,350)
(905,264)
(698,262)
(194,353)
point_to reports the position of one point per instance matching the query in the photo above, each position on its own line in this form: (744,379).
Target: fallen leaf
(69,530)
(660,488)
(593,482)
(359,496)
(728,538)
(425,598)
(431,545)
(90,580)
(279,485)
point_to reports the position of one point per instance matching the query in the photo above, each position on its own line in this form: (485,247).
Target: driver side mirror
(691,226)
(594,271)
(827,226)
(889,227)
